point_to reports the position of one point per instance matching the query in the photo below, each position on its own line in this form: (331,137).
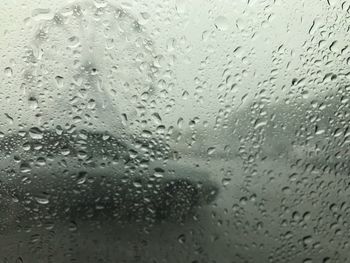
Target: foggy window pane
(174,131)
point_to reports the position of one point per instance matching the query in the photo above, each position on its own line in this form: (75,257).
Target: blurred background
(253,92)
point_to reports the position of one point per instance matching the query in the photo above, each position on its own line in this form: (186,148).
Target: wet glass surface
(174,131)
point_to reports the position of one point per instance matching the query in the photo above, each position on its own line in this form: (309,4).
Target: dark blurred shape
(82,176)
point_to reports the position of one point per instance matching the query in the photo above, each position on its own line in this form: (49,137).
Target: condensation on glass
(174,131)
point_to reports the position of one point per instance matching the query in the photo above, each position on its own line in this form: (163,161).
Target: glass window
(174,131)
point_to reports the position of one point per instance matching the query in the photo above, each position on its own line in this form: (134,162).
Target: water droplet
(73,226)
(211,150)
(35,133)
(137,184)
(8,72)
(59,81)
(9,118)
(42,199)
(33,103)
(25,167)
(73,41)
(221,23)
(81,177)
(42,14)
(145,15)
(181,6)
(157,119)
(185,95)
(307,240)
(226,181)
(158,172)
(181,238)
(180,123)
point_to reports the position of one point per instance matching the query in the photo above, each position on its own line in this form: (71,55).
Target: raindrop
(158,172)
(81,177)
(145,15)
(137,184)
(307,240)
(35,133)
(8,72)
(181,239)
(157,119)
(211,150)
(9,118)
(25,167)
(221,23)
(33,103)
(42,199)
(73,41)
(59,81)
(226,181)
(185,95)
(42,14)
(73,226)
(180,123)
